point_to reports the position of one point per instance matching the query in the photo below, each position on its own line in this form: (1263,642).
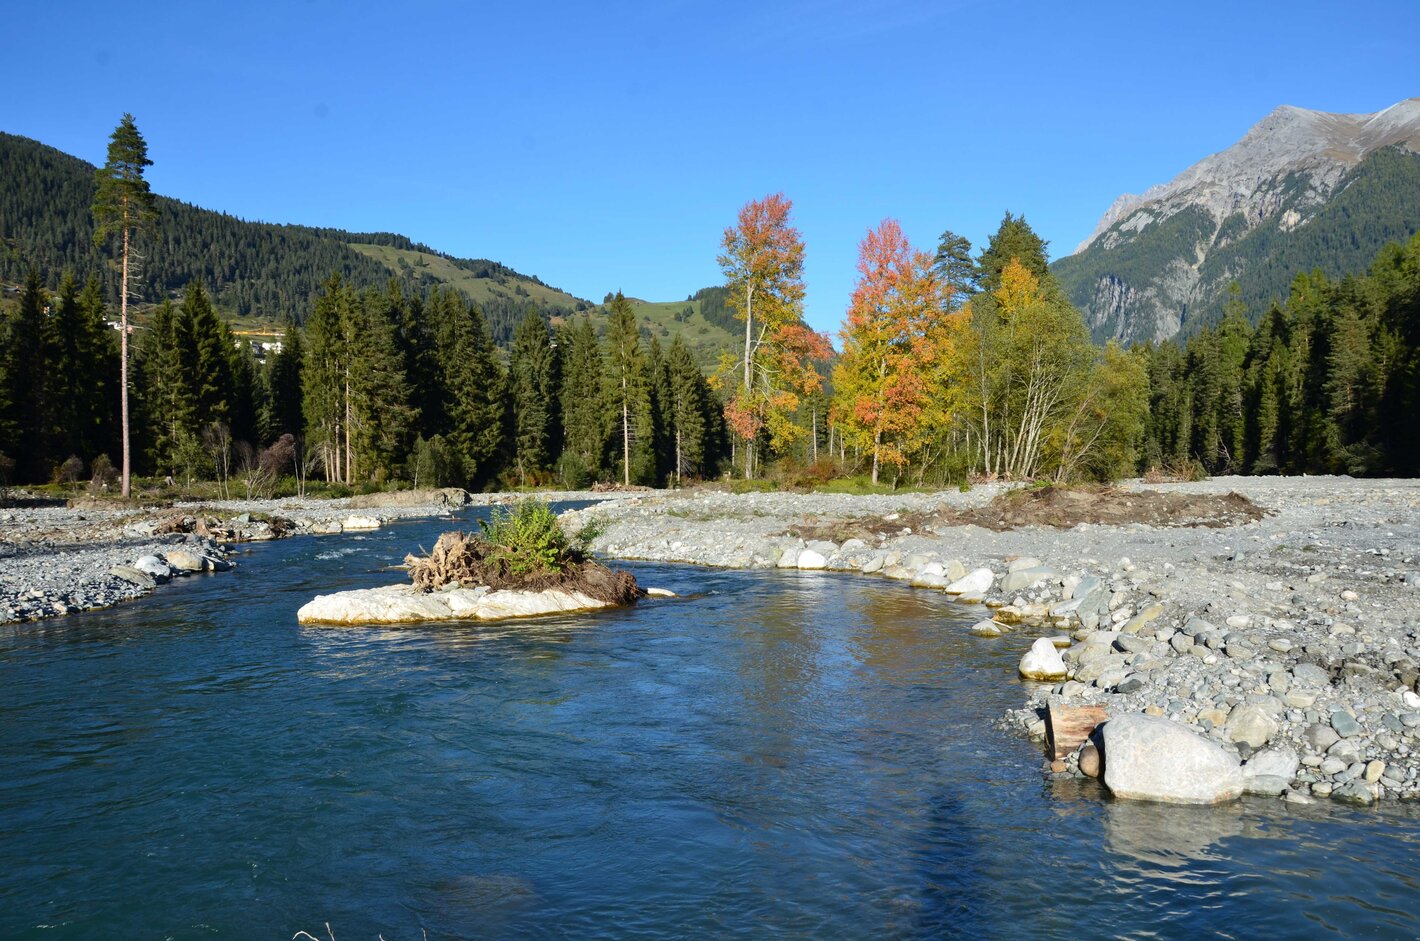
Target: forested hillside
(253,270)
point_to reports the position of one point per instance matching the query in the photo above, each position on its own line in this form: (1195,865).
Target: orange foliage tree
(762,258)
(883,384)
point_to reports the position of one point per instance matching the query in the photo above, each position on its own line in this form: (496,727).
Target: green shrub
(526,538)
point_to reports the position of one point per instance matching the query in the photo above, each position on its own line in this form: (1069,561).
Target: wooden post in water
(1067,727)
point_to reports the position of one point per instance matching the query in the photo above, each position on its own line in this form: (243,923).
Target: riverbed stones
(1042,662)
(975,581)
(1154,758)
(1344,723)
(1280,762)
(1250,724)
(132,576)
(184,561)
(810,560)
(1019,579)
(987,628)
(154,567)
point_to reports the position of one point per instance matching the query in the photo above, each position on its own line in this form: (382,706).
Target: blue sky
(606,145)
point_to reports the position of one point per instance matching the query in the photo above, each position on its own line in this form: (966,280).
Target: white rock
(987,628)
(154,566)
(1156,759)
(974,582)
(405,604)
(361,522)
(1042,661)
(660,593)
(811,559)
(1024,562)
(184,561)
(789,558)
(1279,761)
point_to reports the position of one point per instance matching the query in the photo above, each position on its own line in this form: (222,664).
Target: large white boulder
(1042,661)
(975,582)
(154,566)
(361,522)
(811,559)
(1156,759)
(405,604)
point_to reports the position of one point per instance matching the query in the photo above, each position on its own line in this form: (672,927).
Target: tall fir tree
(584,432)
(285,408)
(628,395)
(474,390)
(686,413)
(531,375)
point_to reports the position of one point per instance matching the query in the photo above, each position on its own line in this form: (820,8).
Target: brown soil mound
(468,560)
(1061,507)
(1064,507)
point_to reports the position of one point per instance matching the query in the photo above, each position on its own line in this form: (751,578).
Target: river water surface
(779,755)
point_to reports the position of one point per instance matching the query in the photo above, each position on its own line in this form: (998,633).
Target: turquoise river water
(776,755)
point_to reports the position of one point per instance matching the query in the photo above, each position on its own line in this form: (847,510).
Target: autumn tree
(763,263)
(124,206)
(882,380)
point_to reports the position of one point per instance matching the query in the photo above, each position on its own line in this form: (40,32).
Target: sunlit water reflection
(789,755)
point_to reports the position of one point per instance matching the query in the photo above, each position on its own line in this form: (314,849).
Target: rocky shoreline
(57,560)
(1289,641)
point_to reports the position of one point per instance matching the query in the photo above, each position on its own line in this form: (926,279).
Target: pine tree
(1014,239)
(285,409)
(323,377)
(80,365)
(658,376)
(32,406)
(382,421)
(583,431)
(955,268)
(628,394)
(166,397)
(474,389)
(124,206)
(686,412)
(533,397)
(209,365)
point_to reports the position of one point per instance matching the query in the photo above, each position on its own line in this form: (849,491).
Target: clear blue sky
(607,145)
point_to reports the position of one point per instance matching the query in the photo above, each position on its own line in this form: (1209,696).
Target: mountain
(1301,190)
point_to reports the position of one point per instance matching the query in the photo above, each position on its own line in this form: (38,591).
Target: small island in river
(521,564)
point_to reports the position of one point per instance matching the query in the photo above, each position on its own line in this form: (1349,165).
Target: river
(786,755)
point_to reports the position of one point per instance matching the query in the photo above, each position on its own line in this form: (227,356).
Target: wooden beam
(1067,727)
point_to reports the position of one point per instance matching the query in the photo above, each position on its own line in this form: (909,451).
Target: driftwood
(1068,727)
(468,560)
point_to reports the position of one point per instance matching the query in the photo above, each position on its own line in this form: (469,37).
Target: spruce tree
(584,431)
(473,384)
(382,420)
(165,392)
(533,397)
(955,267)
(124,206)
(686,412)
(324,374)
(628,394)
(80,363)
(285,408)
(32,405)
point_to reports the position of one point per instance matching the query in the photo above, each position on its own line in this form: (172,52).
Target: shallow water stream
(787,755)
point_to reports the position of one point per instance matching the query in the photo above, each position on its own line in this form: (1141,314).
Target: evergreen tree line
(379,386)
(248,268)
(1327,382)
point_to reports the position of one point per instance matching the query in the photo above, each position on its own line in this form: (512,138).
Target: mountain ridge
(1159,262)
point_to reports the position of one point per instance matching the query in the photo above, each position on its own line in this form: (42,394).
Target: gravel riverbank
(57,559)
(1292,640)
